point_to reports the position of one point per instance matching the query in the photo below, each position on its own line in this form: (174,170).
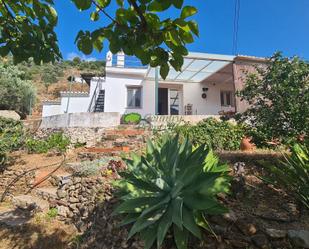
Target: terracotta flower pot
(246,144)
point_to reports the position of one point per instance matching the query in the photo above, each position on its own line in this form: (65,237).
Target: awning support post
(156,90)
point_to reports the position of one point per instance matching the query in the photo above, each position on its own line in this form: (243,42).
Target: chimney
(109,59)
(120,59)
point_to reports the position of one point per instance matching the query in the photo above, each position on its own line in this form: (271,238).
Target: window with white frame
(134,97)
(227,98)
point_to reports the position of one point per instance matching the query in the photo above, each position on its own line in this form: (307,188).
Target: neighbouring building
(205,86)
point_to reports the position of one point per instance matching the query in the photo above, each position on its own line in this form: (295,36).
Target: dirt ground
(257,206)
(40,232)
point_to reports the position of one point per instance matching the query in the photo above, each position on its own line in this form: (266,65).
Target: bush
(219,135)
(292,174)
(171,188)
(16,93)
(278,94)
(132,118)
(12,134)
(90,168)
(56,141)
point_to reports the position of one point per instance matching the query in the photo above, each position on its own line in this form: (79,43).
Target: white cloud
(72,55)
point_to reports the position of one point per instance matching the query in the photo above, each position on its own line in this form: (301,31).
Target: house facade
(205,86)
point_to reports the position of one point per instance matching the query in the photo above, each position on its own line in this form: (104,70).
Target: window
(226,98)
(134,98)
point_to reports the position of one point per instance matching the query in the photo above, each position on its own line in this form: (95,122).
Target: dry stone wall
(23,180)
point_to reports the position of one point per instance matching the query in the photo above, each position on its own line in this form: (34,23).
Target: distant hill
(49,79)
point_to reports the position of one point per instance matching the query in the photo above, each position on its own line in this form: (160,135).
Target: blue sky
(265,26)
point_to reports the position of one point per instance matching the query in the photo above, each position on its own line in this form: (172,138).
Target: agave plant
(171,189)
(292,174)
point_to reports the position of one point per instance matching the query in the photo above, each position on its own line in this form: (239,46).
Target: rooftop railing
(129,62)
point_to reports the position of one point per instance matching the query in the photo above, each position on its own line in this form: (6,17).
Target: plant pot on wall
(247,145)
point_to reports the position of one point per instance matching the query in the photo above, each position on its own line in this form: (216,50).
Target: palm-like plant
(171,188)
(292,174)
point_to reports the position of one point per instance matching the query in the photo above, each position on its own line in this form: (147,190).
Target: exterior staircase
(99,104)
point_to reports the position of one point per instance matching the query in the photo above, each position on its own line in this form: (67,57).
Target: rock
(239,168)
(239,244)
(13,217)
(245,227)
(291,208)
(275,233)
(63,211)
(28,202)
(73,200)
(230,216)
(299,238)
(260,241)
(9,114)
(61,193)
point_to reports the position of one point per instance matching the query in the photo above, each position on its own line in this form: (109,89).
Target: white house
(205,86)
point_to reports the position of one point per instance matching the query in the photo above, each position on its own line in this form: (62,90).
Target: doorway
(169,101)
(163,101)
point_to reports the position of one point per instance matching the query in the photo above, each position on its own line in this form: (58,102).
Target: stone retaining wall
(24,182)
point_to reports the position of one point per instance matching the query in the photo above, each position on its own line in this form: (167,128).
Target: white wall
(51,109)
(192,94)
(94,120)
(116,94)
(76,104)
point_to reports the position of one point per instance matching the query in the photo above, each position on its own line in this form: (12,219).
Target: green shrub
(12,134)
(52,213)
(90,168)
(292,174)
(278,94)
(171,188)
(56,141)
(219,135)
(36,146)
(132,118)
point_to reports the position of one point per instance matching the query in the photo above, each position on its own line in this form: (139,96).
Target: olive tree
(27,30)
(278,94)
(16,92)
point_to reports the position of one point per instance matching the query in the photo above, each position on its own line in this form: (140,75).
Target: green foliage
(279,97)
(52,213)
(36,146)
(293,174)
(12,137)
(12,134)
(57,141)
(50,73)
(90,168)
(16,93)
(171,188)
(218,135)
(137,29)
(27,30)
(132,118)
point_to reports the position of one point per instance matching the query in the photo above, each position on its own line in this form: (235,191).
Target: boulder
(9,114)
(299,238)
(275,233)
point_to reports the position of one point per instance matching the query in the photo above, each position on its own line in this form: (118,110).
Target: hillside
(49,79)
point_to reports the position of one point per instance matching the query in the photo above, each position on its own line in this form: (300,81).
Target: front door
(163,101)
(174,102)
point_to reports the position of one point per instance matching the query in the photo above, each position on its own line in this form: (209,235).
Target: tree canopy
(278,94)
(27,30)
(16,92)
